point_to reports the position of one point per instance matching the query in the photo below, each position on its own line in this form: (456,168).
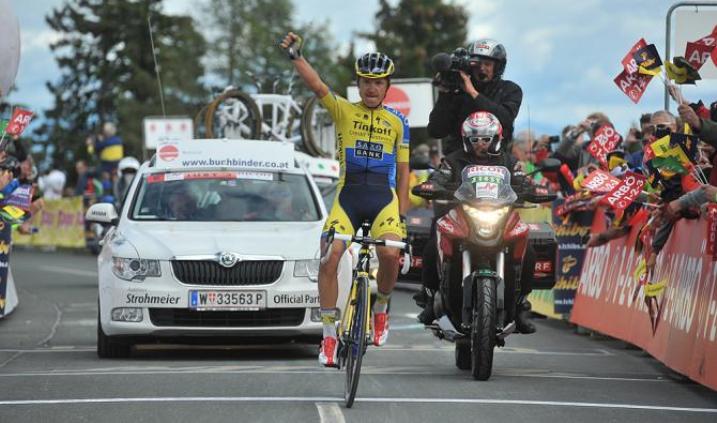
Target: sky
(563,53)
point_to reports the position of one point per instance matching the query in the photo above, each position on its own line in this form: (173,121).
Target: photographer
(470,81)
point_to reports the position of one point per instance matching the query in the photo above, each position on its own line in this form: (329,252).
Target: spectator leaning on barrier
(706,129)
(662,123)
(483,90)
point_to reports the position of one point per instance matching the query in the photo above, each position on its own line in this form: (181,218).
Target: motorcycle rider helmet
(374,66)
(128,164)
(482,127)
(487,48)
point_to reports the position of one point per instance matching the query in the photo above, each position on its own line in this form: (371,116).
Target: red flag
(697,54)
(624,194)
(628,62)
(19,121)
(712,231)
(599,181)
(604,141)
(633,85)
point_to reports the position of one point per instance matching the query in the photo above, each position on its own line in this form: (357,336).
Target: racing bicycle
(354,328)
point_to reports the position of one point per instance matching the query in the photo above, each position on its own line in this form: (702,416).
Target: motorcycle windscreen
(486,185)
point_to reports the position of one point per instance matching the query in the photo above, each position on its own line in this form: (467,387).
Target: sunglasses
(658,128)
(484,140)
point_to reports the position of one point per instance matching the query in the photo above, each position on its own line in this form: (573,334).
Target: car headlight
(131,269)
(486,221)
(307,269)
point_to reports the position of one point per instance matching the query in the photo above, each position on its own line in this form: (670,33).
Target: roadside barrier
(60,224)
(673,317)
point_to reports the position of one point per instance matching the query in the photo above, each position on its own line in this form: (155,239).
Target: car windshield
(225,197)
(327,186)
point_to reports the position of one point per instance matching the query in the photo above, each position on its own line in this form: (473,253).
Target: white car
(219,251)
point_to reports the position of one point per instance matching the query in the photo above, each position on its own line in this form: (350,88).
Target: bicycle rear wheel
(245,122)
(318,130)
(356,341)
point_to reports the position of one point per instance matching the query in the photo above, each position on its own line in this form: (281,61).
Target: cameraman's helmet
(374,65)
(482,127)
(490,49)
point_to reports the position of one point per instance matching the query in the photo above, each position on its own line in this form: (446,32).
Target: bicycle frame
(362,271)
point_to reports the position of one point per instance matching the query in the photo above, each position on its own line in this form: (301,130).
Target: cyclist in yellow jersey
(373,149)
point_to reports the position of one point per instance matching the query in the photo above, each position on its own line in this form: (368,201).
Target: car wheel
(108,346)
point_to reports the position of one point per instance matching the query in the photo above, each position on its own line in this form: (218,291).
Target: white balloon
(9,47)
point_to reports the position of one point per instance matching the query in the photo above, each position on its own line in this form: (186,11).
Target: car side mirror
(102,213)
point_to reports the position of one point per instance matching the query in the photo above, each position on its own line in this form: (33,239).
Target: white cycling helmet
(482,127)
(128,163)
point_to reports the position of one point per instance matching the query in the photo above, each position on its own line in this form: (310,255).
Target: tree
(244,39)
(415,30)
(107,71)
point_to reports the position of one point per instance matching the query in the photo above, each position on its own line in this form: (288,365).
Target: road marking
(330,413)
(77,272)
(485,401)
(303,370)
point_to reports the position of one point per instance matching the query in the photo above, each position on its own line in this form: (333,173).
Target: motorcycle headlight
(486,221)
(307,268)
(131,269)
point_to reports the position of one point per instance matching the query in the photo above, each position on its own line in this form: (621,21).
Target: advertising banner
(673,316)
(572,233)
(60,224)
(223,154)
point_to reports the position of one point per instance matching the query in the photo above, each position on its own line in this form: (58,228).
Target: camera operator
(470,80)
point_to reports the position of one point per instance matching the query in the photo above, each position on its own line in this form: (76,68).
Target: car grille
(227,319)
(207,272)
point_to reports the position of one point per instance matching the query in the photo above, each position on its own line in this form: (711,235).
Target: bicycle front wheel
(356,340)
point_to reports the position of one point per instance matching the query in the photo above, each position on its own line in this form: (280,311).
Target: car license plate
(227,300)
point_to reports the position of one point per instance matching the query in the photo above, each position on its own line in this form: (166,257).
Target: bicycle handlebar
(370,241)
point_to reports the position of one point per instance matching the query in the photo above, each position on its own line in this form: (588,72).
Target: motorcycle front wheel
(483,330)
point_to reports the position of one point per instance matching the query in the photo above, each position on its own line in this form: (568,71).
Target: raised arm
(292,44)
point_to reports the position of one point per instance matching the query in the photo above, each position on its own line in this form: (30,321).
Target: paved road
(49,372)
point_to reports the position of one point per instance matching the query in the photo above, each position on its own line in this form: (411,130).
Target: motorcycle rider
(482,137)
(483,90)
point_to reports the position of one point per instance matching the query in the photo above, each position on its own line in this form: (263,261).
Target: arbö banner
(676,324)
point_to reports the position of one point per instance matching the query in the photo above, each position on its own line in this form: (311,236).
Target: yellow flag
(655,289)
(14,212)
(614,162)
(651,72)
(679,75)
(640,270)
(661,146)
(688,130)
(678,153)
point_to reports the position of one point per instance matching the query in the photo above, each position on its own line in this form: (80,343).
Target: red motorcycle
(473,306)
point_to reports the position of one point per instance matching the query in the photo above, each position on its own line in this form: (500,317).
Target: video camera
(448,65)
